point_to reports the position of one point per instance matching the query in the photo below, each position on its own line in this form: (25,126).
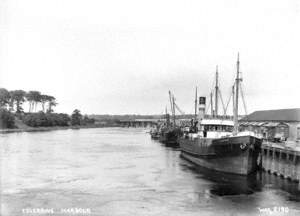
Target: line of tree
(42,119)
(78,119)
(7,119)
(14,100)
(11,107)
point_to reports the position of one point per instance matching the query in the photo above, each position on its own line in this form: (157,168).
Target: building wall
(283,129)
(293,131)
(273,132)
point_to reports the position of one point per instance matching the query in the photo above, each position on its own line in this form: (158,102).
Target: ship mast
(236,104)
(216,91)
(196,103)
(233,106)
(172,103)
(174,120)
(211,104)
(167,117)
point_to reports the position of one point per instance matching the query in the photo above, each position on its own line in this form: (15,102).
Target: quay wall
(281,161)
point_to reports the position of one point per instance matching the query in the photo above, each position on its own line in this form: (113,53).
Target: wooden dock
(281,160)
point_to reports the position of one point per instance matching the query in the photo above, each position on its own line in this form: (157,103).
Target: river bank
(39,129)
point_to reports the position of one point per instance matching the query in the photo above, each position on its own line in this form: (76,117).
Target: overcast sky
(122,56)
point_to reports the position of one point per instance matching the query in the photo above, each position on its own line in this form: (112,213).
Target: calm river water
(116,171)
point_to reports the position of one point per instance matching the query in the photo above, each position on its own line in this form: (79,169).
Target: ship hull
(237,155)
(154,135)
(171,137)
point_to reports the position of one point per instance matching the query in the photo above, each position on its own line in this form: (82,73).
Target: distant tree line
(13,100)
(42,119)
(78,119)
(7,119)
(40,110)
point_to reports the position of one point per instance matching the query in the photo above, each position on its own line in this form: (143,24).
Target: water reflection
(225,184)
(276,182)
(228,184)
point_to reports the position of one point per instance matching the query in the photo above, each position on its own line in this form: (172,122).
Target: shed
(275,130)
(280,121)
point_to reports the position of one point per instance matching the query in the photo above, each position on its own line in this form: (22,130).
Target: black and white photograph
(149,108)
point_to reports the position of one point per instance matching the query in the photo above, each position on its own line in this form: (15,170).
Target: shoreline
(40,129)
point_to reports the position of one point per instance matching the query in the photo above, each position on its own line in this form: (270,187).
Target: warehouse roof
(285,115)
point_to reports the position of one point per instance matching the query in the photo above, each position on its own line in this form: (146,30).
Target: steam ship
(216,143)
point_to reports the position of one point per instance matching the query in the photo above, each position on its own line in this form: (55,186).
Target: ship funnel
(202,105)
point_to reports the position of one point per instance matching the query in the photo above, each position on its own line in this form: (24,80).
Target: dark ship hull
(170,137)
(155,135)
(237,154)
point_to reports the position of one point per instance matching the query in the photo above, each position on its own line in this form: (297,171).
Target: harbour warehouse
(277,124)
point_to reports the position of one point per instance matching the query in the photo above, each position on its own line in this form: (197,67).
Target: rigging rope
(224,111)
(231,95)
(208,106)
(174,105)
(181,112)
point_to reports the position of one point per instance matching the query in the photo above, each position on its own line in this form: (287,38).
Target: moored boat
(170,136)
(169,132)
(217,144)
(154,133)
(233,154)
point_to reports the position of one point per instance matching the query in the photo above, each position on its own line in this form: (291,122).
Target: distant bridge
(150,122)
(140,122)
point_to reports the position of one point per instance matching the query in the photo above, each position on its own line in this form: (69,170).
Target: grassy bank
(34,122)
(38,129)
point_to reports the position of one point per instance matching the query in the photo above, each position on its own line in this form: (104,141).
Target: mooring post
(288,166)
(274,164)
(280,170)
(294,176)
(260,164)
(267,160)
